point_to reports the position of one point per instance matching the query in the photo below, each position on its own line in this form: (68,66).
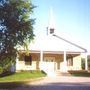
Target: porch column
(63,65)
(86,62)
(65,61)
(41,60)
(41,56)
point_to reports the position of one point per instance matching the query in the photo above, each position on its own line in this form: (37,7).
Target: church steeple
(51,26)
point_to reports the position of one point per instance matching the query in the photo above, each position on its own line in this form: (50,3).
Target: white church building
(51,53)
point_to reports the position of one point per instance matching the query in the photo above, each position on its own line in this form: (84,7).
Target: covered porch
(51,61)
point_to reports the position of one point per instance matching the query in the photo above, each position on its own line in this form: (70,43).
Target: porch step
(58,73)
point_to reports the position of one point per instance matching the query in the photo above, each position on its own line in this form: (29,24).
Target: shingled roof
(55,43)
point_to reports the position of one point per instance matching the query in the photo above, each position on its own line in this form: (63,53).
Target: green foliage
(26,48)
(81,73)
(6,63)
(83,63)
(1,70)
(16,25)
(88,62)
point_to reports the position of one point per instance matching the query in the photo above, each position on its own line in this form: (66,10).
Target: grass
(80,73)
(22,76)
(19,78)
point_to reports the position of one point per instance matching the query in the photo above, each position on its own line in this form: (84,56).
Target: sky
(72,19)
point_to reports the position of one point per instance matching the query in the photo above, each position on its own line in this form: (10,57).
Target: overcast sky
(72,19)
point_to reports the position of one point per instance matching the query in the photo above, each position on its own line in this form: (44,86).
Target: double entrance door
(50,64)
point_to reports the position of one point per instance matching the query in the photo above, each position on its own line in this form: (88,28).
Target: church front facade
(51,53)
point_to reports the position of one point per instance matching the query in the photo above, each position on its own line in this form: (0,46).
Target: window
(28,60)
(70,62)
(51,30)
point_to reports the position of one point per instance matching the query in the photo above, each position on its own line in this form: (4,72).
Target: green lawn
(22,76)
(19,78)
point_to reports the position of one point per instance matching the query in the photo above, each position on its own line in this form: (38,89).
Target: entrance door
(50,63)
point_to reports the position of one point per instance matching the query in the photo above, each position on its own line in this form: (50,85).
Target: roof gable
(55,43)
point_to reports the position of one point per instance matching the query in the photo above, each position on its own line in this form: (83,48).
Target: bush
(83,63)
(6,63)
(1,70)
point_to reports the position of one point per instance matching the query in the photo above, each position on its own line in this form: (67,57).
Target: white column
(63,65)
(41,56)
(41,60)
(65,61)
(86,62)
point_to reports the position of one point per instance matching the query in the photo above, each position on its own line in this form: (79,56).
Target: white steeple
(51,26)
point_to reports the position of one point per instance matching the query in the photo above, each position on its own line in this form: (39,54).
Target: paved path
(58,83)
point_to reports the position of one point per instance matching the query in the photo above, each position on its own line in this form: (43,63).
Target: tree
(16,25)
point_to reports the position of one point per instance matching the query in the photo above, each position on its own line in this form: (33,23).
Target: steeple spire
(51,26)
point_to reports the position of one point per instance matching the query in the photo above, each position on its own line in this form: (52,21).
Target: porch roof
(52,52)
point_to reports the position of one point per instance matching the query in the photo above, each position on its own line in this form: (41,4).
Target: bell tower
(51,25)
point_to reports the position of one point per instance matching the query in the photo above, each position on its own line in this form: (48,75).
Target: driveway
(58,83)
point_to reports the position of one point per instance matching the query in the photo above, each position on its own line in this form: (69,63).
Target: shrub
(1,70)
(83,63)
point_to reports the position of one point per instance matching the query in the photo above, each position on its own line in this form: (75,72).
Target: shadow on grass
(6,74)
(43,72)
(49,86)
(19,79)
(11,85)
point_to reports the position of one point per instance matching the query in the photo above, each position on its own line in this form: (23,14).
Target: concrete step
(58,73)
